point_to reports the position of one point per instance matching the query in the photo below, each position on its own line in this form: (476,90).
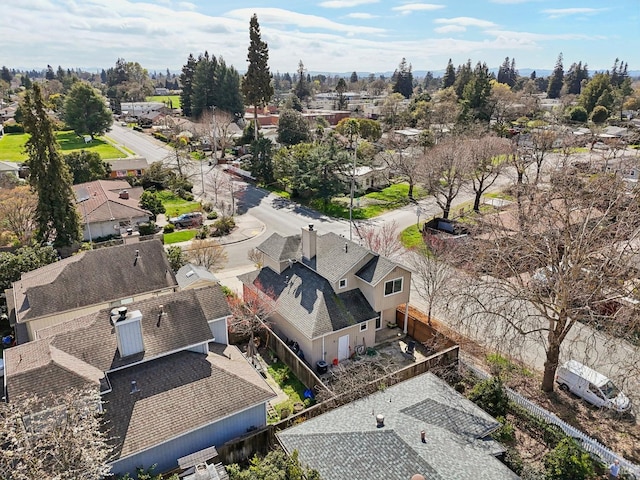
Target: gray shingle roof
(281,248)
(93,277)
(376,269)
(189,274)
(333,261)
(178,394)
(452,425)
(308,301)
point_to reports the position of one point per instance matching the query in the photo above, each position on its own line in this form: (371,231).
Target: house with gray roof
(330,295)
(88,282)
(170,384)
(194,276)
(381,436)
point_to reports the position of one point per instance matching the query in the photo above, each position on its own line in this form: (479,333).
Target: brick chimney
(309,237)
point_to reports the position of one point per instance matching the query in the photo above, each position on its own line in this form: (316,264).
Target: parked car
(592,386)
(192,219)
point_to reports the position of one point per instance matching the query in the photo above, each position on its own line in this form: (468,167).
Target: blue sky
(327,35)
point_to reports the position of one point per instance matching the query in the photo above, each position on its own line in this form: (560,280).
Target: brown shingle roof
(104,203)
(178,394)
(92,277)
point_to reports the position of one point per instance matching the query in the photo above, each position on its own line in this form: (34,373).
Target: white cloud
(465,22)
(278,16)
(408,8)
(361,15)
(187,6)
(450,29)
(563,12)
(532,37)
(345,3)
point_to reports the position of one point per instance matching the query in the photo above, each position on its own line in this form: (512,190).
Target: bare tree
(384,239)
(17,212)
(446,172)
(487,155)
(404,160)
(217,182)
(569,261)
(256,256)
(57,436)
(432,277)
(207,253)
(542,142)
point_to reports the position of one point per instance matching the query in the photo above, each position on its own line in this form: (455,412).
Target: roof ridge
(75,365)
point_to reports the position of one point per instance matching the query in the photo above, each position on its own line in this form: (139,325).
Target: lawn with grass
(179,236)
(12,146)
(289,384)
(174,99)
(174,205)
(411,237)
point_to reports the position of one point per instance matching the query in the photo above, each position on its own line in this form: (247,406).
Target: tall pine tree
(186,81)
(56,215)
(556,80)
(449,77)
(256,83)
(404,79)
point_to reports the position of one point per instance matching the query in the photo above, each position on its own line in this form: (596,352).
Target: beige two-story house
(330,295)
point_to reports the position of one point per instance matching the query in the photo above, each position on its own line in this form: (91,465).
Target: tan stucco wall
(375,295)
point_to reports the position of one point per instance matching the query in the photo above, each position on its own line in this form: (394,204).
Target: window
(342,283)
(363,326)
(393,286)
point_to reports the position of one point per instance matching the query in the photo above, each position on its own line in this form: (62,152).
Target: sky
(329,36)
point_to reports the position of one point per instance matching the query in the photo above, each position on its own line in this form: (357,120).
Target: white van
(592,386)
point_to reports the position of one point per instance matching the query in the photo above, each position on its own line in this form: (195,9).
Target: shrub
(599,114)
(227,291)
(568,461)
(224,225)
(506,433)
(169,228)
(491,396)
(207,207)
(212,215)
(147,228)
(513,460)
(284,412)
(578,114)
(160,136)
(16,128)
(203,232)
(137,128)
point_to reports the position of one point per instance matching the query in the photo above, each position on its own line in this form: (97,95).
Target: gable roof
(92,277)
(100,201)
(308,301)
(376,269)
(336,256)
(281,248)
(189,274)
(456,430)
(138,163)
(178,394)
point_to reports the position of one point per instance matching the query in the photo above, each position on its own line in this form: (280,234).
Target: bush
(203,232)
(16,128)
(207,207)
(137,128)
(284,412)
(168,228)
(160,136)
(599,114)
(578,114)
(513,460)
(568,461)
(224,226)
(147,228)
(491,396)
(212,215)
(506,433)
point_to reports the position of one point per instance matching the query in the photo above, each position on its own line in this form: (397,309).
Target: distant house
(109,207)
(627,167)
(87,282)
(170,385)
(148,110)
(330,295)
(379,437)
(11,168)
(128,167)
(368,178)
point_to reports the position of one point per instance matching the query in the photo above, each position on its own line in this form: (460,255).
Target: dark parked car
(193,219)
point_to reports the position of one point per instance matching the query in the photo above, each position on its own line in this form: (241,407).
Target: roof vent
(124,194)
(134,387)
(346,247)
(380,420)
(135,260)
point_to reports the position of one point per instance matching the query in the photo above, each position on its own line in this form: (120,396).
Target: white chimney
(309,238)
(129,333)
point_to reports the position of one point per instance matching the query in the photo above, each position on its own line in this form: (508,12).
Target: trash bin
(321,366)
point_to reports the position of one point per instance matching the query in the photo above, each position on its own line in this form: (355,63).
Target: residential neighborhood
(235,263)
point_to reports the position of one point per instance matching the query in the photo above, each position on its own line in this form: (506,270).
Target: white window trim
(365,325)
(340,282)
(393,281)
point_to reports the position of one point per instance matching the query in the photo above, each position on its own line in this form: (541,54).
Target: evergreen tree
(292,128)
(341,88)
(503,72)
(85,111)
(477,91)
(302,89)
(50,75)
(49,176)
(449,77)
(354,77)
(262,161)
(230,97)
(463,76)
(203,86)
(86,166)
(404,80)
(597,93)
(186,80)
(574,78)
(256,83)
(5,74)
(556,80)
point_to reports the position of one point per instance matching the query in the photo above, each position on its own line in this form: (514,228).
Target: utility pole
(213,133)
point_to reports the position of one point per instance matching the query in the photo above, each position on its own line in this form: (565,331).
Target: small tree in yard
(491,396)
(432,276)
(65,441)
(384,240)
(176,257)
(150,201)
(207,253)
(568,462)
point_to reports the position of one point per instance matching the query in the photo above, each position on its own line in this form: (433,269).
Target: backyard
(12,146)
(173,100)
(174,205)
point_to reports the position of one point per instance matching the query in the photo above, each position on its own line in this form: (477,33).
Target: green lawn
(12,146)
(175,205)
(179,236)
(175,100)
(289,384)
(372,204)
(411,237)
